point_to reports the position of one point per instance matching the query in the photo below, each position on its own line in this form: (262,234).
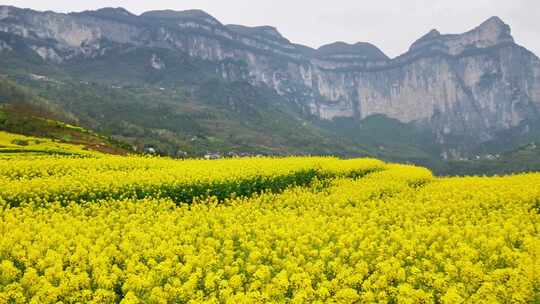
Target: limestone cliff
(471,85)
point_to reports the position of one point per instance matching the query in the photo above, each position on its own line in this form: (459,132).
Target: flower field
(263,230)
(13,145)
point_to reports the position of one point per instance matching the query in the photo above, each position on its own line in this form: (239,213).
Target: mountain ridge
(204,16)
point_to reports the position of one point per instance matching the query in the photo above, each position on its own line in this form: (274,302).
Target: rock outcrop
(471,85)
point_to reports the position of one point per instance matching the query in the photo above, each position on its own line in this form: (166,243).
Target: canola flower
(13,145)
(38,181)
(396,235)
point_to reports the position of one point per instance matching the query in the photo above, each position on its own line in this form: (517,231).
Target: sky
(392,25)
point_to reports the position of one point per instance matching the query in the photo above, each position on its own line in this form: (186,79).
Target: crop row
(41,181)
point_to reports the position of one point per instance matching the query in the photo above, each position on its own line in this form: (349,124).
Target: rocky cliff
(465,87)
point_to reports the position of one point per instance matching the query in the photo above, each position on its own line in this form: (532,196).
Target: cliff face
(471,85)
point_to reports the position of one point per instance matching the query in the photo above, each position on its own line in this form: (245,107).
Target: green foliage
(20,142)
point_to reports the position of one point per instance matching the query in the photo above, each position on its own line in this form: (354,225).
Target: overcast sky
(392,25)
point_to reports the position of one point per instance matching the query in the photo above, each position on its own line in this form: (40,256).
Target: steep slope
(32,125)
(214,116)
(466,89)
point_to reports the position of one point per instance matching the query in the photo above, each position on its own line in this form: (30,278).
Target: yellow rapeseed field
(263,230)
(43,180)
(13,145)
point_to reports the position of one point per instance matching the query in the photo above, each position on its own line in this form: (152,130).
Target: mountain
(456,95)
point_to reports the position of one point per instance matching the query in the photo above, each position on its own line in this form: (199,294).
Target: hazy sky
(392,25)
